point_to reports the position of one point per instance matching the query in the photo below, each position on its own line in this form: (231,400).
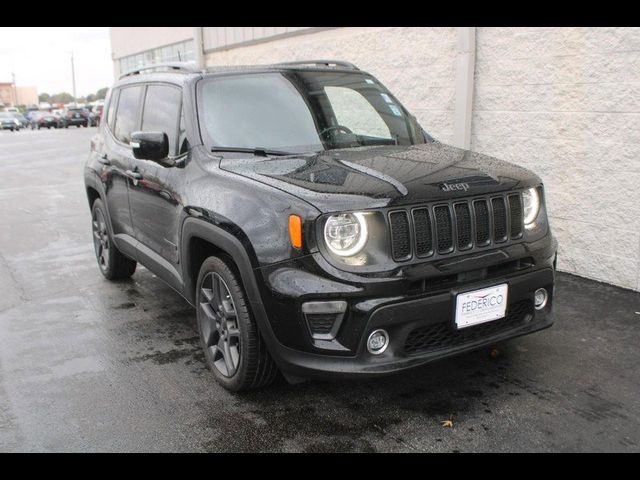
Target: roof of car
(178,72)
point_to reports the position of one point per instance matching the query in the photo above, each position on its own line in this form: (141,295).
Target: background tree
(101,94)
(44,97)
(62,97)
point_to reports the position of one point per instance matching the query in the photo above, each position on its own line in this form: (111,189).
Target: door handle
(104,159)
(134,175)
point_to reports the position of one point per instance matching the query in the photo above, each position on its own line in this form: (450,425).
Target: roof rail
(326,63)
(185,67)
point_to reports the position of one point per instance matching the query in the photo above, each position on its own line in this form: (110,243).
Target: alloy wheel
(101,239)
(219,324)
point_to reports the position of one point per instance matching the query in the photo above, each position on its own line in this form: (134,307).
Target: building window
(178,52)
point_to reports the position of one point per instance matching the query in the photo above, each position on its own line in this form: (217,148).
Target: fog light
(540,298)
(378,342)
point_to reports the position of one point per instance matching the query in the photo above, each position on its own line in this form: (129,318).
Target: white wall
(223,37)
(129,40)
(562,102)
(565,102)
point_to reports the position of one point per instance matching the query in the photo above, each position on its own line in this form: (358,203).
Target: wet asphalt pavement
(89,365)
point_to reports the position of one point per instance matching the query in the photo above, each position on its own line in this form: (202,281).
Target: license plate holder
(478,306)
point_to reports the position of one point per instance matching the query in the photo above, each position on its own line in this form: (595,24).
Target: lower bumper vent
(324,318)
(441,335)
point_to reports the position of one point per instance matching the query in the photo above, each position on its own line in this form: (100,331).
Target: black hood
(371,177)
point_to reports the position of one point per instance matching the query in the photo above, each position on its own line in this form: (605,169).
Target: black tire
(113,264)
(254,367)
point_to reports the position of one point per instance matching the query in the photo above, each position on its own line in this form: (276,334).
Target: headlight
(346,234)
(17,122)
(531,200)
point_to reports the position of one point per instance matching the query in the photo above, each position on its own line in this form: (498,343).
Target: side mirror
(152,146)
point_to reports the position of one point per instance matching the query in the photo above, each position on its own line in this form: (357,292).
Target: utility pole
(15,89)
(73,78)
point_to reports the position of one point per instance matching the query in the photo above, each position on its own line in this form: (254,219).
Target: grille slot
(483,226)
(516,215)
(422,227)
(463,226)
(444,228)
(499,219)
(440,335)
(400,235)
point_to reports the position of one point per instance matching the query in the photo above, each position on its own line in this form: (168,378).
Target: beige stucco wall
(129,40)
(564,102)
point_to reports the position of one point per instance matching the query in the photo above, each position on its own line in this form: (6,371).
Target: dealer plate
(480,306)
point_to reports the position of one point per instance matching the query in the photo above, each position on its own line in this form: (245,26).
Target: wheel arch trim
(91,182)
(200,228)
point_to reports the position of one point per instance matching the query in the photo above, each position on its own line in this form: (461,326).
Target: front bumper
(419,320)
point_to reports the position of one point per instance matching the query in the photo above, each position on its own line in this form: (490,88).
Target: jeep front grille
(459,225)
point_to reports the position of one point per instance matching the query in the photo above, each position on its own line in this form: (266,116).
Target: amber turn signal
(295,231)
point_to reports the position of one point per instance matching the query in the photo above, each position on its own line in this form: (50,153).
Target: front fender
(245,261)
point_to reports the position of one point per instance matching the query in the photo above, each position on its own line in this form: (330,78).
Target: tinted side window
(353,111)
(162,112)
(111,113)
(127,114)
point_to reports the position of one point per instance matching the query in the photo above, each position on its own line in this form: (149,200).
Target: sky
(41,57)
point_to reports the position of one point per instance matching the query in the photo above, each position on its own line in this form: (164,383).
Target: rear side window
(127,113)
(162,113)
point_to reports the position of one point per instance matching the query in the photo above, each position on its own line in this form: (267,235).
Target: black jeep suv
(315,226)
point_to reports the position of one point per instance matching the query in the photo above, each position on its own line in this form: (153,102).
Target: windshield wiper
(258,151)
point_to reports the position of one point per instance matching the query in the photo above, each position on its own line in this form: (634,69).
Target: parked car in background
(76,116)
(98,109)
(46,120)
(30,112)
(24,122)
(9,122)
(62,119)
(93,119)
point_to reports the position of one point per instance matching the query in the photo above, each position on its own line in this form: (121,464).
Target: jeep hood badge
(452,187)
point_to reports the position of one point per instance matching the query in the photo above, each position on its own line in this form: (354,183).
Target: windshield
(302,111)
